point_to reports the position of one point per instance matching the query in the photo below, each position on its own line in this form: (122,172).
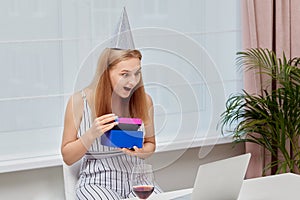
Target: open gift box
(126,134)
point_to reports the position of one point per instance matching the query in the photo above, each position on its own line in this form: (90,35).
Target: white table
(277,187)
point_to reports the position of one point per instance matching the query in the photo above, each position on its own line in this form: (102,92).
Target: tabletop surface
(277,187)
(281,186)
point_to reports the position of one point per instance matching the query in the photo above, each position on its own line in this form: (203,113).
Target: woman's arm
(72,148)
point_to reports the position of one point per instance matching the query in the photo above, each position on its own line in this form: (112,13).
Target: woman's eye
(125,75)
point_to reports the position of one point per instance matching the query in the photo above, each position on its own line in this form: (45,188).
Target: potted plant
(270,119)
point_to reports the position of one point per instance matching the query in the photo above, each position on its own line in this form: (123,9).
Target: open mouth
(127,89)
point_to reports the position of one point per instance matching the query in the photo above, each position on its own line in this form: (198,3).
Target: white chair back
(71,175)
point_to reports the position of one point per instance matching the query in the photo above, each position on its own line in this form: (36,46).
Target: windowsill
(30,163)
(198,142)
(56,160)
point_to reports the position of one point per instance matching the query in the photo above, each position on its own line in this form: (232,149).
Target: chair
(71,175)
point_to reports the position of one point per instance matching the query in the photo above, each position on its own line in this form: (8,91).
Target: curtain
(272,24)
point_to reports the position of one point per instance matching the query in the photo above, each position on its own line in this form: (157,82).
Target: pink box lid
(124,120)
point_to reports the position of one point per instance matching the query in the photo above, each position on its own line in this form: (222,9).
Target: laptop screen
(221,179)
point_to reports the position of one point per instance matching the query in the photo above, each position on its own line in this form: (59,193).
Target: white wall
(38,184)
(48,50)
(47,183)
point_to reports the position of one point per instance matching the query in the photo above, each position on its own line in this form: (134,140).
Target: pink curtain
(258,21)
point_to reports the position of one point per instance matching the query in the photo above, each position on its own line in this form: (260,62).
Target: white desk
(277,187)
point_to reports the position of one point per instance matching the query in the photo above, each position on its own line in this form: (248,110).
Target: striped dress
(105,171)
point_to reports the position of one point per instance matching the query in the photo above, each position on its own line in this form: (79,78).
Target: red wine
(143,191)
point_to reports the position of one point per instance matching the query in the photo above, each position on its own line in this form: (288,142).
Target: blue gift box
(122,138)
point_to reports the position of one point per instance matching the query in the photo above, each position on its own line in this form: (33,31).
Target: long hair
(103,94)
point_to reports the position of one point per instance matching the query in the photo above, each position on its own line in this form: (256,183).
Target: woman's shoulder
(74,109)
(75,103)
(149,100)
(76,98)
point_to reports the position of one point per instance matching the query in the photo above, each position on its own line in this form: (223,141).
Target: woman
(116,91)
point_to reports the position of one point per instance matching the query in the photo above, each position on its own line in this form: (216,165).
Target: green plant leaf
(274,114)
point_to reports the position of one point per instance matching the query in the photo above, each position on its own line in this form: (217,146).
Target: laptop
(219,180)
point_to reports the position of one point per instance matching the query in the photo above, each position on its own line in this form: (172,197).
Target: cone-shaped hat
(122,37)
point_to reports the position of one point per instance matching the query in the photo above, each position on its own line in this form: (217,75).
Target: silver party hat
(122,37)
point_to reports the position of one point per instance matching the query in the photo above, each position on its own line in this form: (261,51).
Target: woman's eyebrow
(126,70)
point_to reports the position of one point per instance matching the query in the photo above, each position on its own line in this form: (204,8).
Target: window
(188,65)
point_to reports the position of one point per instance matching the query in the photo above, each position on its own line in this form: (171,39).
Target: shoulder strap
(83,95)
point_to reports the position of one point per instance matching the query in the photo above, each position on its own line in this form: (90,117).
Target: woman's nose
(133,80)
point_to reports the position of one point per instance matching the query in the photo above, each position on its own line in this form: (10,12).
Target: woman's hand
(102,124)
(99,127)
(144,152)
(132,152)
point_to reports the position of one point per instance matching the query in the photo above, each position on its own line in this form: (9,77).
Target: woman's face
(125,76)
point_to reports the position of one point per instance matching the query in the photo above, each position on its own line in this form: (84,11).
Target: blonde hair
(103,94)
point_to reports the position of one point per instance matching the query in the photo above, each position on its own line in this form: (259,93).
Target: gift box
(124,135)
(128,124)
(123,139)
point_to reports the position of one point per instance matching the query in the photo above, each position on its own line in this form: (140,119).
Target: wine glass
(142,180)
